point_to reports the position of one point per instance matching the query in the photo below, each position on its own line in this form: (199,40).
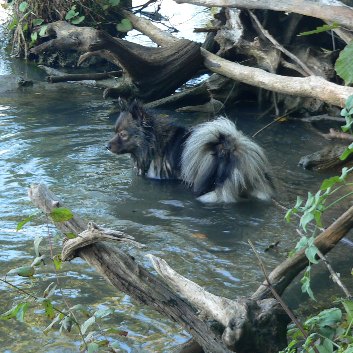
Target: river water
(55,134)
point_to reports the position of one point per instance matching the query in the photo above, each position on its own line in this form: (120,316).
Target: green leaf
(56,319)
(50,290)
(347,152)
(70,235)
(71,13)
(81,308)
(24,271)
(326,346)
(92,347)
(58,262)
(49,308)
(38,260)
(349,102)
(349,122)
(328,183)
(34,36)
(319,29)
(288,215)
(37,21)
(311,252)
(43,30)
(305,219)
(13,24)
(66,323)
(25,221)
(17,312)
(77,20)
(61,214)
(124,26)
(114,2)
(103,313)
(348,307)
(302,243)
(87,324)
(305,281)
(344,64)
(23,6)
(37,242)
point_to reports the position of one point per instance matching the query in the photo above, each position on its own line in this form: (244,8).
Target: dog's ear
(122,104)
(138,112)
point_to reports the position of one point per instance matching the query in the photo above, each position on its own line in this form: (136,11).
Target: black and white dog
(215,159)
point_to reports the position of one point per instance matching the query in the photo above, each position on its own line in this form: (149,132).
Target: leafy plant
(73,16)
(330,330)
(344,64)
(124,26)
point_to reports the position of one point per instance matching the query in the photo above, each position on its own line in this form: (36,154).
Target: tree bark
(247,317)
(311,86)
(328,11)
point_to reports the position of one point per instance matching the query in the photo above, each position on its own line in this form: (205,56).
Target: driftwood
(256,324)
(311,86)
(152,73)
(328,11)
(81,77)
(326,158)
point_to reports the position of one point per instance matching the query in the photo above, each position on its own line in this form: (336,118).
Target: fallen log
(310,86)
(81,77)
(330,11)
(256,324)
(244,320)
(324,159)
(150,72)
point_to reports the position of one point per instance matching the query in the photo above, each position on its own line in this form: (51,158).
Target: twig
(334,275)
(280,47)
(269,124)
(280,300)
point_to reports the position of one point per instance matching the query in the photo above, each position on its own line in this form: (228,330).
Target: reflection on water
(56,134)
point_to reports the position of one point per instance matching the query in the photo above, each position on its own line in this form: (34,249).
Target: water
(55,134)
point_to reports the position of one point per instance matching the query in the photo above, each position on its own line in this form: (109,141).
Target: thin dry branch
(279,46)
(284,273)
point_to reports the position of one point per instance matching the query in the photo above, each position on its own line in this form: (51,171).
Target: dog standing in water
(215,159)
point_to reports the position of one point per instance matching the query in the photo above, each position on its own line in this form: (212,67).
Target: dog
(216,160)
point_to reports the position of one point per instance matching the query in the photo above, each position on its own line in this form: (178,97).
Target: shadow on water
(56,134)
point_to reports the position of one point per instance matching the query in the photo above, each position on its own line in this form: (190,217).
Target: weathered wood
(331,11)
(312,86)
(284,273)
(153,72)
(156,72)
(326,158)
(81,77)
(248,325)
(124,273)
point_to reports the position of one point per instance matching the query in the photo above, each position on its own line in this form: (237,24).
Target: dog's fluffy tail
(221,164)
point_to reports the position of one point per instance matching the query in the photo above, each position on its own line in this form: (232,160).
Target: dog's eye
(123,134)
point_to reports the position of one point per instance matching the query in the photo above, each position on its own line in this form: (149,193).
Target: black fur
(214,158)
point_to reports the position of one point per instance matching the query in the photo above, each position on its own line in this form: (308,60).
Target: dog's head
(130,129)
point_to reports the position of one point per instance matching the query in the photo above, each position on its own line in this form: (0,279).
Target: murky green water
(55,134)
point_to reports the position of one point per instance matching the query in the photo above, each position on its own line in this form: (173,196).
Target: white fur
(249,175)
